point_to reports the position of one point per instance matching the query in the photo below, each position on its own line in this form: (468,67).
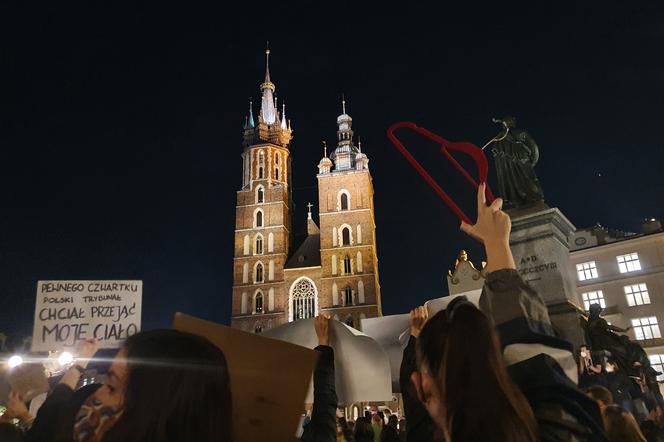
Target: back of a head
(620,425)
(480,402)
(599,393)
(9,433)
(393,421)
(177,389)
(363,431)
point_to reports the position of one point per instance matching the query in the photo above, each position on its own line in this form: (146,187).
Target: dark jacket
(55,419)
(323,424)
(563,412)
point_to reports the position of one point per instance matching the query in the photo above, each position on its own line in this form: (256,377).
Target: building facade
(335,269)
(624,273)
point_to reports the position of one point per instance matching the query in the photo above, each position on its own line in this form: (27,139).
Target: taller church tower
(349,262)
(263,221)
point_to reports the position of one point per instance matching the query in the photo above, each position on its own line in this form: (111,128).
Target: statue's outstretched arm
(615,328)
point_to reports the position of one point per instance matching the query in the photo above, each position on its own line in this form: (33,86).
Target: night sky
(120,130)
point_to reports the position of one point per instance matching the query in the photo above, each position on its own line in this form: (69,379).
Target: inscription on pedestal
(530,267)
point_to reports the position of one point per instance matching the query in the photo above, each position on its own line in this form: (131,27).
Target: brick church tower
(349,263)
(335,268)
(263,221)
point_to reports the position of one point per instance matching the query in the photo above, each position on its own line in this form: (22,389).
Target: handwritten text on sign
(70,311)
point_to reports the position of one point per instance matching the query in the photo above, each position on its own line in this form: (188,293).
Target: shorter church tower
(350,288)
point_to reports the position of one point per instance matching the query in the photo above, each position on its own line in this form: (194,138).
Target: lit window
(646,328)
(344,201)
(345,236)
(629,262)
(348,269)
(304,300)
(259,273)
(348,296)
(587,270)
(637,294)
(259,302)
(593,298)
(657,362)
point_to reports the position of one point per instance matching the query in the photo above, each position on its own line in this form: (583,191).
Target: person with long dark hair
(164,385)
(497,373)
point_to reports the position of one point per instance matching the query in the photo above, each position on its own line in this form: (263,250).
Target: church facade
(335,269)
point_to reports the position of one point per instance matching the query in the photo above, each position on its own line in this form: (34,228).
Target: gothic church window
(304,296)
(344,201)
(276,173)
(261,165)
(258,303)
(258,249)
(259,273)
(258,221)
(345,236)
(260,195)
(348,296)
(348,267)
(247,242)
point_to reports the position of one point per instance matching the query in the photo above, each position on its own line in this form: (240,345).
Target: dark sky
(120,129)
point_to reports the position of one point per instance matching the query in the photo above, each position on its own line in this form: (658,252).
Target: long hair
(177,390)
(479,399)
(363,431)
(620,425)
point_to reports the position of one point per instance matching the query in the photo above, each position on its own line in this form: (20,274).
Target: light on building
(65,358)
(15,361)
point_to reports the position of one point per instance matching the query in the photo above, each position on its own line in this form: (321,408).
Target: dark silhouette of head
(363,431)
(10,433)
(177,388)
(510,121)
(463,381)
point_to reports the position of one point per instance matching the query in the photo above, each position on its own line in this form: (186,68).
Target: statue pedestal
(539,243)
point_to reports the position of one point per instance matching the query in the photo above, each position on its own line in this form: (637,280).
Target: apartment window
(657,362)
(587,270)
(637,294)
(629,262)
(646,328)
(593,298)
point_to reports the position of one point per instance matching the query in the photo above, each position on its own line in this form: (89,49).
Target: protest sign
(392,332)
(70,311)
(361,366)
(269,379)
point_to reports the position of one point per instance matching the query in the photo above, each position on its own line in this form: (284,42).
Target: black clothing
(55,419)
(323,424)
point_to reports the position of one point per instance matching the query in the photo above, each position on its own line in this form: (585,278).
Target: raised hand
(418,316)
(322,327)
(85,350)
(492,228)
(16,408)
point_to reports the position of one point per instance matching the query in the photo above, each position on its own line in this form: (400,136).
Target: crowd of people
(496,372)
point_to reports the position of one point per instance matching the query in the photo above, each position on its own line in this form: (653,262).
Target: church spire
(284,125)
(249,124)
(268,108)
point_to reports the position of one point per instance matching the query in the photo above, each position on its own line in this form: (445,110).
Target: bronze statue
(516,154)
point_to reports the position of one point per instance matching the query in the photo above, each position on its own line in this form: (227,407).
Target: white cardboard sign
(393,332)
(70,311)
(361,366)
